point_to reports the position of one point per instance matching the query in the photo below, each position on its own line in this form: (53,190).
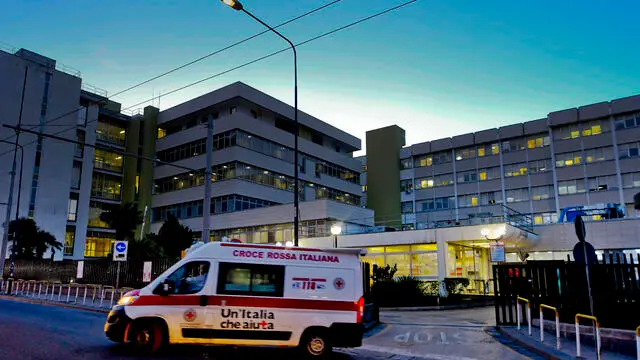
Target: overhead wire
(325,34)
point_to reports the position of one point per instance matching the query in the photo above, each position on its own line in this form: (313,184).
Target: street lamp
(336,230)
(296,223)
(3,250)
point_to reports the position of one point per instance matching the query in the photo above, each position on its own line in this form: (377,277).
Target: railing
(518,300)
(598,343)
(543,306)
(68,70)
(92,89)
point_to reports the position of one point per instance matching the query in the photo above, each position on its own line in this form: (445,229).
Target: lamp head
(336,230)
(233,4)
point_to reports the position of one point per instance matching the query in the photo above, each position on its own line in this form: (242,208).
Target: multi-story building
(66,186)
(584,156)
(253,167)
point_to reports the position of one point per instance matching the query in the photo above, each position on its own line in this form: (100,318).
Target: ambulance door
(184,303)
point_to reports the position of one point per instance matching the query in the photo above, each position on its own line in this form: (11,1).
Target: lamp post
(336,230)
(236,5)
(3,250)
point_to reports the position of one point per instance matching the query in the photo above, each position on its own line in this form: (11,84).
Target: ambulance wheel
(315,344)
(147,336)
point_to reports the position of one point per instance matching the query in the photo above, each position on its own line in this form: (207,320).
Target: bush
(455,286)
(384,273)
(432,288)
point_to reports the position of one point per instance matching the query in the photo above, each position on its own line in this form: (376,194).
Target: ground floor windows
(412,260)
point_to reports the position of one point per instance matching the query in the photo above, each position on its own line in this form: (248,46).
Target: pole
(5,237)
(296,200)
(118,275)
(206,207)
(335,241)
(144,221)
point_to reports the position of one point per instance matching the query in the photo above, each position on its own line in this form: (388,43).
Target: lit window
(161,133)
(481,151)
(364,188)
(483,175)
(137,183)
(495,149)
(575,134)
(523,171)
(474,201)
(531,144)
(537,220)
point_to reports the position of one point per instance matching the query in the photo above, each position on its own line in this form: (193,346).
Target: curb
(547,354)
(41,302)
(437,308)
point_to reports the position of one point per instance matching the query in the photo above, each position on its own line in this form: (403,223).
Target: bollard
(598,344)
(75,300)
(543,306)
(69,291)
(60,292)
(518,299)
(104,290)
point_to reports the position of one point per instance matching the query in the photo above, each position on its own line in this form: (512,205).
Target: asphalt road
(34,332)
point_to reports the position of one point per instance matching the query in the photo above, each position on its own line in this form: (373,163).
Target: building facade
(584,156)
(252,169)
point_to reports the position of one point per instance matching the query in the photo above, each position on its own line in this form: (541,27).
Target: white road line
(407,352)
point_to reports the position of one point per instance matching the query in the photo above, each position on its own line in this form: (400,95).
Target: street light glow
(336,229)
(484,232)
(233,4)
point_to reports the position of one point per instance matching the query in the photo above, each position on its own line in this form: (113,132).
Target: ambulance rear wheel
(147,336)
(316,344)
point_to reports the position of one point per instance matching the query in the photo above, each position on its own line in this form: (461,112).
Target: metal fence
(100,271)
(615,288)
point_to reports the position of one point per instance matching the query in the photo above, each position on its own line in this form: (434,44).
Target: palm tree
(45,240)
(123,220)
(30,241)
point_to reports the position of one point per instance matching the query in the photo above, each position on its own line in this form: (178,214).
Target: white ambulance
(245,294)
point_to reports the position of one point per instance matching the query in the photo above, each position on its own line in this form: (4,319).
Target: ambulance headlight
(127,300)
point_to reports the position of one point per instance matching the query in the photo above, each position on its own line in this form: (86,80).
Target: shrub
(455,286)
(385,273)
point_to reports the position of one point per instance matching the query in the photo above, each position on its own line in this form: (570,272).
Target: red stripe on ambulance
(256,302)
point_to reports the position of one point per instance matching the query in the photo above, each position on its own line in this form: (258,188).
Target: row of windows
(111,132)
(599,183)
(107,160)
(98,244)
(591,155)
(627,121)
(263,146)
(219,205)
(438,180)
(574,131)
(629,150)
(250,173)
(106,187)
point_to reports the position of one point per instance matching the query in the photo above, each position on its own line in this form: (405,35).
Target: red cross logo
(338,283)
(264,324)
(190,315)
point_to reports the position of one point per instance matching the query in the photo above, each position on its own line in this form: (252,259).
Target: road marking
(407,352)
(443,337)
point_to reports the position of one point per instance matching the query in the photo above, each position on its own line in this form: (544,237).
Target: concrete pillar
(442,262)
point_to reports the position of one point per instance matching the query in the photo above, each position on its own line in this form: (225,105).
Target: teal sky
(435,68)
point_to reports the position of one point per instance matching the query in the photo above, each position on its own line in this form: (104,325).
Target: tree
(31,242)
(146,248)
(174,237)
(123,220)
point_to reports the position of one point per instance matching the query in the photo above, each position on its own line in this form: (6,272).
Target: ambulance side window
(251,279)
(189,278)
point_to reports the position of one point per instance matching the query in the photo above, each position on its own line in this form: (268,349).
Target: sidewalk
(89,303)
(548,348)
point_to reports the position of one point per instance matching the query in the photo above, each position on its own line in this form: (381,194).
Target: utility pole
(5,238)
(206,207)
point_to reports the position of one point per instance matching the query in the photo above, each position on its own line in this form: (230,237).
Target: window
(161,133)
(467,176)
(468,200)
(438,180)
(517,195)
(364,188)
(406,164)
(442,157)
(82,116)
(489,173)
(629,150)
(435,204)
(250,279)
(627,121)
(567,132)
(468,153)
(538,141)
(407,207)
(570,187)
(492,197)
(95,209)
(598,154)
(107,160)
(364,167)
(513,145)
(515,170)
(110,132)
(98,244)
(539,166)
(190,278)
(423,160)
(603,183)
(542,192)
(72,209)
(232,110)
(80,137)
(406,185)
(488,149)
(233,203)
(105,187)
(545,218)
(631,180)
(69,240)
(76,175)
(569,159)
(424,183)
(593,127)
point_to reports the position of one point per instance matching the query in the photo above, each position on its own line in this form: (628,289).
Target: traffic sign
(120,249)
(146,271)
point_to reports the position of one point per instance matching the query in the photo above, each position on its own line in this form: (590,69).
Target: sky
(436,68)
